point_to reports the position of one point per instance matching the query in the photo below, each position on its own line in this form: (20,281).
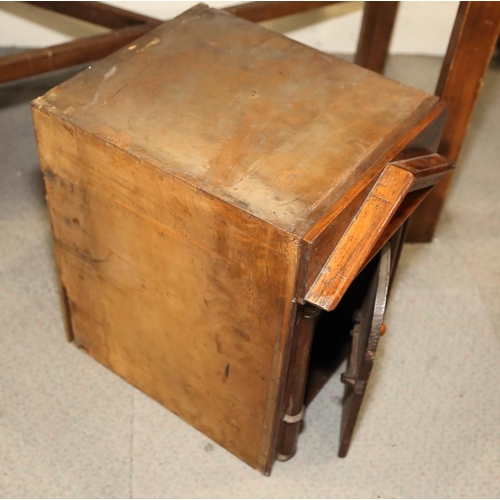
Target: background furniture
(470,49)
(469,52)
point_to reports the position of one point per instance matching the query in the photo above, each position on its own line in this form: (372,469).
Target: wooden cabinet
(212,187)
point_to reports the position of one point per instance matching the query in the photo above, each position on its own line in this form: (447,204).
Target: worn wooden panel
(182,295)
(192,177)
(200,95)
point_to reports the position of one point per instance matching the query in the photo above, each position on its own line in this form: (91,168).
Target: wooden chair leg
(375,36)
(469,52)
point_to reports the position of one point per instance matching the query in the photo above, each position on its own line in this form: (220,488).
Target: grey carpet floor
(430,426)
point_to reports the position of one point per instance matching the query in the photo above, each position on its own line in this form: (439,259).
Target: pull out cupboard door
(372,241)
(368,323)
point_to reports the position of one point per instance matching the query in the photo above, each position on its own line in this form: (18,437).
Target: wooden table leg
(375,36)
(469,52)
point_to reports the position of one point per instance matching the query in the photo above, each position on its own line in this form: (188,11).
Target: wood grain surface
(367,226)
(353,248)
(197,180)
(170,288)
(198,96)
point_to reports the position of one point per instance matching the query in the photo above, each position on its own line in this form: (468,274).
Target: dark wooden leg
(375,36)
(296,381)
(469,52)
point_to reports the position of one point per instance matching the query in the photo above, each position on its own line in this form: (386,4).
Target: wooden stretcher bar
(127,27)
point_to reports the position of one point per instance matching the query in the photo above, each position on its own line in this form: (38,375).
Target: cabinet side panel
(181,294)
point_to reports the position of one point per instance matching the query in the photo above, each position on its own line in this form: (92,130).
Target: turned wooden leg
(375,36)
(469,52)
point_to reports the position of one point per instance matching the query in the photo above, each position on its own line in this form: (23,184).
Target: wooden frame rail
(127,27)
